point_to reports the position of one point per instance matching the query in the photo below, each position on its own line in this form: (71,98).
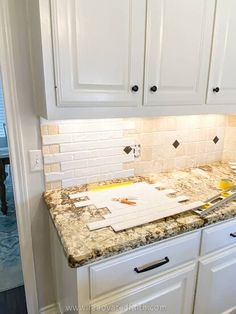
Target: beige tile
(196,135)
(48,186)
(183,136)
(147,125)
(146,154)
(188,122)
(56,185)
(127,133)
(44,130)
(156,136)
(159,152)
(180,163)
(168,164)
(222,120)
(209,146)
(232,121)
(170,138)
(158,166)
(53,129)
(191,149)
(54,149)
(211,133)
(171,151)
(128,165)
(146,139)
(181,150)
(132,124)
(200,147)
(47,168)
(203,134)
(143,167)
(229,156)
(191,161)
(210,120)
(201,159)
(46,150)
(55,167)
(164,124)
(230,132)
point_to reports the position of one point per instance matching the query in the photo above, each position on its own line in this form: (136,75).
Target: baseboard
(50,309)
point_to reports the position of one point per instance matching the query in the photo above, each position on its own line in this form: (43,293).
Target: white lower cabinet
(216,289)
(172,293)
(174,276)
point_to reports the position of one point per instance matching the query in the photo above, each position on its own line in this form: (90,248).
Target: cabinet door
(171,294)
(98,52)
(216,290)
(223,64)
(178,51)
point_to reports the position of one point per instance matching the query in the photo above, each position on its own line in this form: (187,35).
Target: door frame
(17,157)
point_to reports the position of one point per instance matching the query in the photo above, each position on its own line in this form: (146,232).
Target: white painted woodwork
(98,52)
(172,293)
(95,52)
(218,237)
(223,63)
(216,288)
(119,272)
(16,78)
(113,284)
(178,51)
(65,283)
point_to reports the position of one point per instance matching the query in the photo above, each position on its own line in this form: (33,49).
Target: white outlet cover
(36,160)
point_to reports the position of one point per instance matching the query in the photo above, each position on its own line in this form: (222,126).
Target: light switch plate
(36,160)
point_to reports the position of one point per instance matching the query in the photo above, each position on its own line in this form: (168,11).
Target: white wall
(31,140)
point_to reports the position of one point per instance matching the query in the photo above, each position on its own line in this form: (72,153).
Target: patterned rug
(10,262)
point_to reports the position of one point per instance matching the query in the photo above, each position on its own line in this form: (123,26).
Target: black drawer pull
(151,266)
(233,235)
(216,90)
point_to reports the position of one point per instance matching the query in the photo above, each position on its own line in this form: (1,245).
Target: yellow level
(96,188)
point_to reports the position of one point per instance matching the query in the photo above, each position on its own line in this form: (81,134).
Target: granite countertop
(82,246)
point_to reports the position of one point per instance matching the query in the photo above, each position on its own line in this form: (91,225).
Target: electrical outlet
(36,160)
(137,151)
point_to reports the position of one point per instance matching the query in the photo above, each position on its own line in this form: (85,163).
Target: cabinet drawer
(218,237)
(133,267)
(172,293)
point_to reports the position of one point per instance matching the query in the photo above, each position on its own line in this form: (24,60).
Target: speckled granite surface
(82,246)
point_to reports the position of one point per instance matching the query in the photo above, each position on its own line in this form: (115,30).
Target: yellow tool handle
(225,184)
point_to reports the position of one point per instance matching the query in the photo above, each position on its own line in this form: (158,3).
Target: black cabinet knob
(135,88)
(153,89)
(216,90)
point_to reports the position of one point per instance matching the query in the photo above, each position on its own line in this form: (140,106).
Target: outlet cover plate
(36,160)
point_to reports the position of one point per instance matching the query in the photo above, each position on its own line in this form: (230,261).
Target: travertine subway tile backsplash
(77,152)
(83,151)
(230,140)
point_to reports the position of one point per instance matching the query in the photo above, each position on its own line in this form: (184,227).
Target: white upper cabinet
(127,58)
(178,51)
(222,82)
(98,49)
